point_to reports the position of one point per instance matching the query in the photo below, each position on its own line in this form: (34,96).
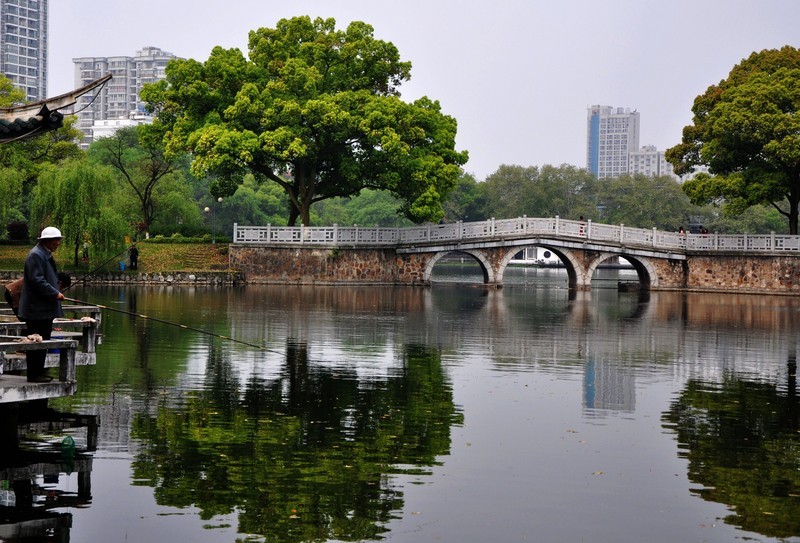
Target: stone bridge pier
(579,263)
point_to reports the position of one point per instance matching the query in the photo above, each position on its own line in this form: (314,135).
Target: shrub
(18,231)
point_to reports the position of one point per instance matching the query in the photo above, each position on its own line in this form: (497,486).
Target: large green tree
(137,154)
(314,109)
(746,129)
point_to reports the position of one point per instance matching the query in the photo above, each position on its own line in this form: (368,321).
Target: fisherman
(40,299)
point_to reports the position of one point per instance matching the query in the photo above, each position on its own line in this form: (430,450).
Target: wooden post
(66,366)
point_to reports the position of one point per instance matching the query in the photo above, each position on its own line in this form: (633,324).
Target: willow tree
(314,109)
(746,130)
(81,200)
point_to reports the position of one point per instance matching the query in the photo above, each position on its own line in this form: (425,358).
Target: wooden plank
(88,329)
(16,388)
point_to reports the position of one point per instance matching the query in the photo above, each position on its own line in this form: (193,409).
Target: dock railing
(521,227)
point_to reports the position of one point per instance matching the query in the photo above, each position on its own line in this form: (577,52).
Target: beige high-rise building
(119,98)
(649,161)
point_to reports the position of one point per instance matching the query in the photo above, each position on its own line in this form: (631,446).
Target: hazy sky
(517,75)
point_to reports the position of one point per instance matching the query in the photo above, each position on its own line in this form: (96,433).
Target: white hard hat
(51,232)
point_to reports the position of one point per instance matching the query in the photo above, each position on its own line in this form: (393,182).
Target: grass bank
(153,258)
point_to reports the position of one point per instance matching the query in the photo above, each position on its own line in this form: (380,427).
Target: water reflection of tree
(742,442)
(306,457)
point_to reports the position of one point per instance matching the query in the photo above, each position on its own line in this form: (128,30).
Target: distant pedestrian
(133,256)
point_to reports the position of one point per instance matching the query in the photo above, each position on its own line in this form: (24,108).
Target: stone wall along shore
(211,278)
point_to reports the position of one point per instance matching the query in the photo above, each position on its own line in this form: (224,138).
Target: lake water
(452,413)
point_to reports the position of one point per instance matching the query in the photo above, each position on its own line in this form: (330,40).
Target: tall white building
(611,134)
(119,98)
(649,161)
(23,45)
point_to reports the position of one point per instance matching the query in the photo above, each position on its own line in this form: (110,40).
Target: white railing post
(235,233)
(491,226)
(621,234)
(589,229)
(428,232)
(655,231)
(269,232)
(772,240)
(302,233)
(336,233)
(556,225)
(460,230)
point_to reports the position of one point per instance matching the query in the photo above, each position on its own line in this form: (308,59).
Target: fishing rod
(162,321)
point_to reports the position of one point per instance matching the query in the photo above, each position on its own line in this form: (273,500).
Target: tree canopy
(746,129)
(314,109)
(138,157)
(81,199)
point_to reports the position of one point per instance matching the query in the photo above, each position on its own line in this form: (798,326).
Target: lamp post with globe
(211,210)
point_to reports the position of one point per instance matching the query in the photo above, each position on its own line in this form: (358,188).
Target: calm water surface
(451,414)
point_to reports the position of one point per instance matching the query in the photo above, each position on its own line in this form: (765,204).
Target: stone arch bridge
(662,260)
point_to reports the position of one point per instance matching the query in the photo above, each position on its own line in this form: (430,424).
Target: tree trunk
(305,213)
(293,214)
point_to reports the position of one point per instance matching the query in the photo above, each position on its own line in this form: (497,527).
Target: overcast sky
(517,75)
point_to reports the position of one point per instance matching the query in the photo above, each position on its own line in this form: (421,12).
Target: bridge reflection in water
(413,414)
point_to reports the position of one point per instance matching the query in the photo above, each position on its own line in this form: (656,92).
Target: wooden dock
(25,460)
(73,343)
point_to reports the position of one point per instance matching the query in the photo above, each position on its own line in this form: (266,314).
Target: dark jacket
(39,299)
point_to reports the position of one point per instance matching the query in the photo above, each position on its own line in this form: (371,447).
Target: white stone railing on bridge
(521,227)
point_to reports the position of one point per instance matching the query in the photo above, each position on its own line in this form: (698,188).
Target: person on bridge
(40,298)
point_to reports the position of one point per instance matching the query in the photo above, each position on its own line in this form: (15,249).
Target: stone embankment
(209,278)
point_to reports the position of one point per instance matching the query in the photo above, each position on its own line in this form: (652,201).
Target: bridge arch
(479,256)
(571,264)
(647,274)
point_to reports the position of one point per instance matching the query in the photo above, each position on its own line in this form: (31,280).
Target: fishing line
(185,327)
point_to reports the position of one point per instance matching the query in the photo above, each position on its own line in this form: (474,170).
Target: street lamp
(211,210)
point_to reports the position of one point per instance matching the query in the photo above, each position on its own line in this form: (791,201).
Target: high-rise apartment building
(119,98)
(650,161)
(611,134)
(23,45)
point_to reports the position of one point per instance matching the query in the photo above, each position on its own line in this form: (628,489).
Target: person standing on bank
(40,300)
(133,255)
